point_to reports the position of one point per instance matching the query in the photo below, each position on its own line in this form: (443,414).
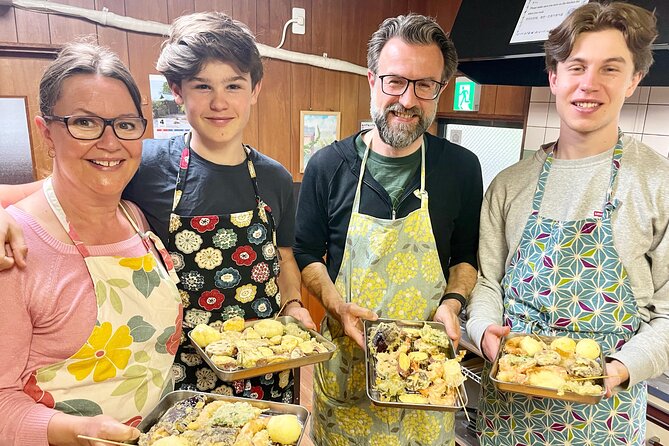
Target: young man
(389,251)
(574,240)
(225,209)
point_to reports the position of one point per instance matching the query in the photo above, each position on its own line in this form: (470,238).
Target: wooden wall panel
(511,101)
(393,8)
(353,47)
(24,78)
(32,27)
(7,25)
(65,29)
(214,5)
(444,12)
(375,13)
(273,105)
(245,11)
(420,5)
(326,17)
(300,85)
(112,37)
(488,98)
(177,8)
(144,49)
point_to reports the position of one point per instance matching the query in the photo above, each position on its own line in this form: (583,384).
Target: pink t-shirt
(48,311)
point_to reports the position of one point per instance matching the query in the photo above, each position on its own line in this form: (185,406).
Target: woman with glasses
(93,321)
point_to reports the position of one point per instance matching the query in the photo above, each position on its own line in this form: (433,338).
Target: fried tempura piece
(516,363)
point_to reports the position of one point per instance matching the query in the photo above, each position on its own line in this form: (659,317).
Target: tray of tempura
(239,349)
(556,367)
(188,418)
(413,365)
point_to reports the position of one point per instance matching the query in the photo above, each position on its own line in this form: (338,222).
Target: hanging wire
(285,28)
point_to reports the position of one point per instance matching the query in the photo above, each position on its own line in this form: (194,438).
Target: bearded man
(387,226)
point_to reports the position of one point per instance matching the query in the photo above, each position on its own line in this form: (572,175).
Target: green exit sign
(467,95)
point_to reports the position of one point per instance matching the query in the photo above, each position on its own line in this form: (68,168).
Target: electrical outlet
(299,16)
(456,136)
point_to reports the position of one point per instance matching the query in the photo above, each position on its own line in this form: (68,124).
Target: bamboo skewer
(591,377)
(538,338)
(462,401)
(102,440)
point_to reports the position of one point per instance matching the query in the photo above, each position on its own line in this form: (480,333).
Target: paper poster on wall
(169,118)
(17,165)
(540,16)
(366,125)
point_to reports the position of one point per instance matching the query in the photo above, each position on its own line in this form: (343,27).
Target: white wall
(645,116)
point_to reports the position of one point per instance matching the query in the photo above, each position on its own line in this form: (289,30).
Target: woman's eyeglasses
(92,127)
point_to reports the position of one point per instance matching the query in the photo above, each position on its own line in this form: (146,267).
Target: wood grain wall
(339,28)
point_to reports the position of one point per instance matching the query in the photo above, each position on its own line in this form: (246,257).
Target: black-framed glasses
(92,127)
(394,85)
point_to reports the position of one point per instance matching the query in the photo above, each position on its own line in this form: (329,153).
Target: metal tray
(371,369)
(240,373)
(544,392)
(172,398)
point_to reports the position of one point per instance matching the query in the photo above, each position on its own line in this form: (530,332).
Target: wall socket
(299,15)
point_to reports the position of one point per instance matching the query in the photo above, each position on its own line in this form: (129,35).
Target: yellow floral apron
(393,268)
(125,365)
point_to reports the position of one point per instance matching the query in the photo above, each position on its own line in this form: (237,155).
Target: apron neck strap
(184,162)
(420,193)
(543,177)
(57,209)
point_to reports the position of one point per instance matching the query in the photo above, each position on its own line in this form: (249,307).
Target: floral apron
(228,266)
(393,268)
(124,367)
(567,279)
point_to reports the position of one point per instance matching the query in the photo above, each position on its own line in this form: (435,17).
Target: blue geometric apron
(566,278)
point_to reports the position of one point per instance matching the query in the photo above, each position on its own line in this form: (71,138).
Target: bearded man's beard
(399,136)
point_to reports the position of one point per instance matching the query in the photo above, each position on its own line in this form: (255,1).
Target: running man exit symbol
(465,95)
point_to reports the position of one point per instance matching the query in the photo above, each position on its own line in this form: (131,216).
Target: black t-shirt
(210,189)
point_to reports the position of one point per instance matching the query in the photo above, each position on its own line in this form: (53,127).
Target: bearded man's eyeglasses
(394,85)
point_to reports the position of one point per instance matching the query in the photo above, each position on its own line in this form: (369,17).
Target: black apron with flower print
(228,266)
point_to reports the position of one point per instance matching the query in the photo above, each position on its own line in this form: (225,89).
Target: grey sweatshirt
(574,190)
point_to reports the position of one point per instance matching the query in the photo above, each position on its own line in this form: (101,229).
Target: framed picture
(17,162)
(317,130)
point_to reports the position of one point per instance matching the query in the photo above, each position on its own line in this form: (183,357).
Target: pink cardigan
(48,311)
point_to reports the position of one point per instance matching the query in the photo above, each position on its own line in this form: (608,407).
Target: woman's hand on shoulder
(13,249)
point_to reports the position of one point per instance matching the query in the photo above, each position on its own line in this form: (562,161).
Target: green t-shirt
(394,174)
